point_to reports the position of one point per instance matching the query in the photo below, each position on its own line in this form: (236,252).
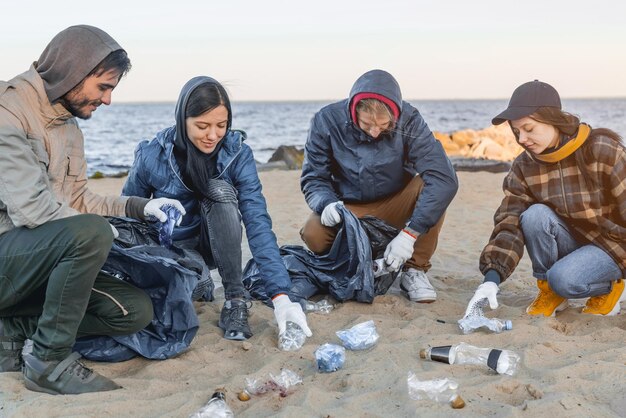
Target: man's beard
(75,103)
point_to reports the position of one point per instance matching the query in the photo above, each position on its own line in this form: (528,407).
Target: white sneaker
(416,284)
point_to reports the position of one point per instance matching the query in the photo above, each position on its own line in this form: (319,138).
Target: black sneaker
(65,377)
(10,355)
(234,320)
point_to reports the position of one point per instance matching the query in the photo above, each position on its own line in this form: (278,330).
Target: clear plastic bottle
(215,408)
(501,361)
(475,319)
(380,267)
(470,324)
(292,339)
(321,306)
(438,390)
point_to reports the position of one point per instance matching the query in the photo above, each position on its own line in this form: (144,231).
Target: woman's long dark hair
(567,124)
(198,167)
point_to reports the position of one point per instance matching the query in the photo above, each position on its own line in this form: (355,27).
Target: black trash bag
(345,272)
(169,277)
(380,234)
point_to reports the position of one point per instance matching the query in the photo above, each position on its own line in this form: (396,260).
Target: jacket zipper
(563,188)
(124,311)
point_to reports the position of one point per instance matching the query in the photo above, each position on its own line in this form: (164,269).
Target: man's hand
(399,250)
(487,290)
(330,215)
(286,310)
(153,208)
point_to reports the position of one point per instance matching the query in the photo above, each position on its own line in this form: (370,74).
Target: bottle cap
(508,324)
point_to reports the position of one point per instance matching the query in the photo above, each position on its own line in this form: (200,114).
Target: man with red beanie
(374,154)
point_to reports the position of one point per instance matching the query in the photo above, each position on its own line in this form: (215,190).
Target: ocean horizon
(113,132)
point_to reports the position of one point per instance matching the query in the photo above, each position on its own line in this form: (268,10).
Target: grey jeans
(573,269)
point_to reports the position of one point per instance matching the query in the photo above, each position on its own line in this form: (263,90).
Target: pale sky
(315,50)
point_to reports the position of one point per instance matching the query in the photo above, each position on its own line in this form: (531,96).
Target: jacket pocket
(40,150)
(616,233)
(74,165)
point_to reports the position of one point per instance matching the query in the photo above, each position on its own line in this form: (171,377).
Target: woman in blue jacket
(206,166)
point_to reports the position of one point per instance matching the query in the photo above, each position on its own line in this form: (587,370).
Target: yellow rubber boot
(607,304)
(547,303)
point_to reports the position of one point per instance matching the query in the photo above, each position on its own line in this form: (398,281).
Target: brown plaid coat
(587,189)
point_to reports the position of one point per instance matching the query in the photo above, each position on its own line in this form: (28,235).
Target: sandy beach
(572,365)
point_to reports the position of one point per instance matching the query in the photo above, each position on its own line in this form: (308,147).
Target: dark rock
(291,155)
(479,164)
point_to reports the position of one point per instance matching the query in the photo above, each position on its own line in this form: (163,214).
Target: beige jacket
(43,173)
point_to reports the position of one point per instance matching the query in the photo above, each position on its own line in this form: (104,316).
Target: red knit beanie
(361,96)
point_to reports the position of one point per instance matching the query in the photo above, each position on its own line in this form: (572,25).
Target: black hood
(181,105)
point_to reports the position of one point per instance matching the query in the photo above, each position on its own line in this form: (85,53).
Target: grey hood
(71,55)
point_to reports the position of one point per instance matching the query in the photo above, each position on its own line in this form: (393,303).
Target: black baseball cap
(526,99)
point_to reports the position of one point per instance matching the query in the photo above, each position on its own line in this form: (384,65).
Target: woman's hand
(487,290)
(286,310)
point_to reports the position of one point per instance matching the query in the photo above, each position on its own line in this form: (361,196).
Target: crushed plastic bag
(360,337)
(283,383)
(167,228)
(438,390)
(330,357)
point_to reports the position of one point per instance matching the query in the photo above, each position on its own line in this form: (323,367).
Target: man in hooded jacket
(390,167)
(53,237)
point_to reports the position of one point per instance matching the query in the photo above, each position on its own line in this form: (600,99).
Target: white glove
(330,215)
(487,290)
(153,208)
(399,250)
(116,234)
(286,310)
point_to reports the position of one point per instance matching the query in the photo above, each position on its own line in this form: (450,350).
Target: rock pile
(491,149)
(493,143)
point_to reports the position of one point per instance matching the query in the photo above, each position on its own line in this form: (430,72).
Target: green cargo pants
(52,290)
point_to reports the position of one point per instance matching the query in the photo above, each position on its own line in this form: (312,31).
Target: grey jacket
(42,160)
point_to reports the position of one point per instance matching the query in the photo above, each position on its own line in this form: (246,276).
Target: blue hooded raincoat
(155,173)
(342,162)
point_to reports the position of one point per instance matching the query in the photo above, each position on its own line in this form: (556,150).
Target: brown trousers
(396,210)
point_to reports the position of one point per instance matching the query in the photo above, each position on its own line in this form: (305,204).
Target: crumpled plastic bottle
(166,228)
(215,408)
(360,337)
(438,390)
(283,383)
(321,306)
(476,319)
(292,339)
(380,267)
(500,361)
(330,357)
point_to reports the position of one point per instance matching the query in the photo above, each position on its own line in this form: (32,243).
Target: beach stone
(246,345)
(449,146)
(292,156)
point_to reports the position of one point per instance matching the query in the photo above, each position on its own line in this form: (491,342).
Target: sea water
(113,132)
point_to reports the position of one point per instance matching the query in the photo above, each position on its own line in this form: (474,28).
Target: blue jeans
(221,235)
(573,269)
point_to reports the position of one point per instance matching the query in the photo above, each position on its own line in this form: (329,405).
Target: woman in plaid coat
(565,201)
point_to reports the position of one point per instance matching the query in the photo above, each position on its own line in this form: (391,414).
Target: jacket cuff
(492,276)
(135,206)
